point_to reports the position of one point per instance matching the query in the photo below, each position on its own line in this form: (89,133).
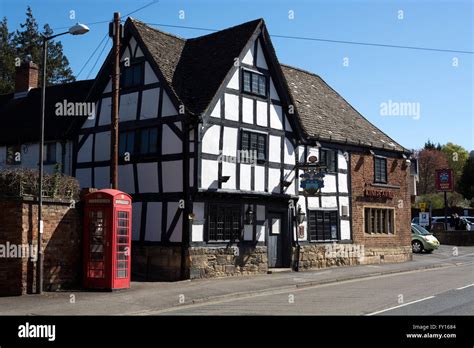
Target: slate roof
(326,116)
(20,117)
(195,68)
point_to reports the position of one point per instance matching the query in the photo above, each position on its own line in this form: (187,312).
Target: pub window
(323,225)
(328,158)
(127,143)
(252,141)
(13,154)
(223,223)
(254,83)
(379,220)
(380,170)
(132,75)
(49,153)
(148,141)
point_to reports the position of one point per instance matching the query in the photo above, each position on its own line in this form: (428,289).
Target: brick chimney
(26,77)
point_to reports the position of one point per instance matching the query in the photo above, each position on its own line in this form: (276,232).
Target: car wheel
(416,246)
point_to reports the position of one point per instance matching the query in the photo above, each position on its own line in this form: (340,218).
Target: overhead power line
(329,40)
(93,53)
(97,60)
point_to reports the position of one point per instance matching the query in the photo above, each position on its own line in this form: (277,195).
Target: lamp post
(77,29)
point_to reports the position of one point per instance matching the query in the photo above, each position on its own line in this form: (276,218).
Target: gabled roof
(195,68)
(20,117)
(326,116)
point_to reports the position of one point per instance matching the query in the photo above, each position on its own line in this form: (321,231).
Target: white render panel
(289,175)
(128,107)
(301,157)
(90,121)
(329,201)
(229,169)
(153,222)
(313,202)
(133,44)
(248,58)
(345,229)
(260,212)
(177,233)
(210,140)
(260,178)
(125,178)
(167,109)
(102,177)
(170,141)
(147,177)
(197,233)
(343,201)
(247,110)
(172,179)
(216,112)
(260,233)
(262,114)
(329,183)
(126,55)
(108,88)
(274,180)
(150,76)
(287,124)
(229,144)
(150,98)
(342,183)
(276,117)
(245,177)
(85,152)
(234,81)
(136,220)
(248,232)
(261,62)
(302,204)
(105,112)
(209,173)
(138,53)
(289,157)
(198,210)
(231,107)
(341,161)
(102,146)
(83,175)
(273,92)
(275,149)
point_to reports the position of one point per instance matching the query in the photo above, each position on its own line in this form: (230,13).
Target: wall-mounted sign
(378,193)
(444,180)
(312,178)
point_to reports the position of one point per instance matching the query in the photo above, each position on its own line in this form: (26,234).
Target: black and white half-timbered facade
(211,149)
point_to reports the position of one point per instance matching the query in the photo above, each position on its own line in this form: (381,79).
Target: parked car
(422,240)
(466,223)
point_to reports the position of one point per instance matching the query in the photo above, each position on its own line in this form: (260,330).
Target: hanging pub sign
(444,180)
(312,178)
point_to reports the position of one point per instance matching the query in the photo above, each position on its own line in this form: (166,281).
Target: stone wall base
(209,262)
(155,263)
(387,255)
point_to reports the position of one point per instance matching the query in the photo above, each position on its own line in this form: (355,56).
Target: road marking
(402,305)
(464,287)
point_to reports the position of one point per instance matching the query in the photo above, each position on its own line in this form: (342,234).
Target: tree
(27,41)
(7,59)
(457,157)
(432,146)
(428,162)
(466,182)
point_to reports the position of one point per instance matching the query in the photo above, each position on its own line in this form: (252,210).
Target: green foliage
(27,41)
(21,182)
(466,182)
(432,146)
(457,157)
(436,200)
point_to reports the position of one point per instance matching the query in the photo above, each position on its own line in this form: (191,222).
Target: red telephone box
(107,239)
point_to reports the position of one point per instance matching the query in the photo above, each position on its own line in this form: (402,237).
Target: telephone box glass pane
(122,241)
(98,228)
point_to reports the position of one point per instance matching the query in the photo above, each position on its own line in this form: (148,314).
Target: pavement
(362,289)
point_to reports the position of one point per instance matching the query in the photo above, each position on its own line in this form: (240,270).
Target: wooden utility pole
(115,33)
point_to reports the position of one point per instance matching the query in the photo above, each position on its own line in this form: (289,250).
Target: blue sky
(375,75)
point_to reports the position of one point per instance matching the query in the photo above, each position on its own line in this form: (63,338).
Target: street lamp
(77,29)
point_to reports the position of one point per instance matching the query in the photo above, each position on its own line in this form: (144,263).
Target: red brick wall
(362,177)
(62,248)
